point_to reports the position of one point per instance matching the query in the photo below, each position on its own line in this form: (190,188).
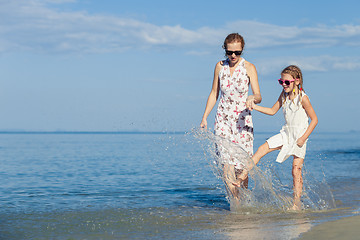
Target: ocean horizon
(137,132)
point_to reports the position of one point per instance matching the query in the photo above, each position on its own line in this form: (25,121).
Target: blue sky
(111,65)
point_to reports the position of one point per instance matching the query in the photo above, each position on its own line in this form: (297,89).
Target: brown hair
(296,73)
(233,38)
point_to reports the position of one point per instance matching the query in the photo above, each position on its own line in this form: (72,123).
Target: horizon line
(123,132)
(88,132)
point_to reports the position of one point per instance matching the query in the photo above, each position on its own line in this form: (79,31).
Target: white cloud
(58,1)
(34,26)
(348,64)
(269,35)
(313,63)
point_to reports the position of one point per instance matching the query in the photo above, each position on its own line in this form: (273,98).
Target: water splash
(267,190)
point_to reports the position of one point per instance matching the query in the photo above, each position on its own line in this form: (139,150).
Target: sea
(164,185)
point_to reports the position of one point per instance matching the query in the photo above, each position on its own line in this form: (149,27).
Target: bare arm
(213,96)
(269,111)
(256,97)
(314,120)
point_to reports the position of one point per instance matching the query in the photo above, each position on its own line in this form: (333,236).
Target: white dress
(233,122)
(296,123)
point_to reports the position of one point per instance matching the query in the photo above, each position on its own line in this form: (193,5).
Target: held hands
(250,102)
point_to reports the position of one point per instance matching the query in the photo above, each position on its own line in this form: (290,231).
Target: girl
(291,141)
(233,78)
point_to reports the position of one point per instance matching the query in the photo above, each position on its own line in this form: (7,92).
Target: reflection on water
(153,223)
(262,226)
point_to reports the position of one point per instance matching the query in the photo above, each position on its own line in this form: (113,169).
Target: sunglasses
(287,82)
(237,53)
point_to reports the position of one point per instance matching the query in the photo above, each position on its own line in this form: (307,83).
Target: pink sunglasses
(287,82)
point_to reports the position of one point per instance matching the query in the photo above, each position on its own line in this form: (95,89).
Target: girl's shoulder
(304,100)
(299,99)
(304,97)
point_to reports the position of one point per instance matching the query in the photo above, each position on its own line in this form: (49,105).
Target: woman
(233,122)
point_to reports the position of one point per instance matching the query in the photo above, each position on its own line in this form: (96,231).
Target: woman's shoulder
(220,64)
(249,66)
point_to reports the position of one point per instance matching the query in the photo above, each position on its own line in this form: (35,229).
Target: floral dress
(233,122)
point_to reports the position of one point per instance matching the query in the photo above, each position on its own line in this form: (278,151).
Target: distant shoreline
(88,132)
(131,132)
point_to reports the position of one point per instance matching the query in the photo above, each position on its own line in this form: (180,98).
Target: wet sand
(345,228)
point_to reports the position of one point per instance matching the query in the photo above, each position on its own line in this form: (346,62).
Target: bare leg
(261,152)
(229,172)
(229,179)
(242,182)
(297,182)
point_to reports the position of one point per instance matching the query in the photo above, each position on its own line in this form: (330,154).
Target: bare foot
(229,174)
(232,181)
(295,208)
(231,189)
(241,178)
(237,183)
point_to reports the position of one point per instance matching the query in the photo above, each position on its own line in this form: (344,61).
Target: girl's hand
(300,142)
(203,124)
(250,102)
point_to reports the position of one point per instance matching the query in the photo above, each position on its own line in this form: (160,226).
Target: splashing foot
(241,178)
(295,208)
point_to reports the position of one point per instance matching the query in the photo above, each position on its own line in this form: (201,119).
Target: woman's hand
(203,124)
(300,142)
(250,102)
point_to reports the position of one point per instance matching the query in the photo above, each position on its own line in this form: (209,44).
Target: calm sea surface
(156,186)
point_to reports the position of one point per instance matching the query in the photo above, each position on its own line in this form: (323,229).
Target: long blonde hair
(296,73)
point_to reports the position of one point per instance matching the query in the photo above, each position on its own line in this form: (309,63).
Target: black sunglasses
(237,53)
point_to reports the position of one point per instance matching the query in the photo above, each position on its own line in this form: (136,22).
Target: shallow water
(269,188)
(150,186)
